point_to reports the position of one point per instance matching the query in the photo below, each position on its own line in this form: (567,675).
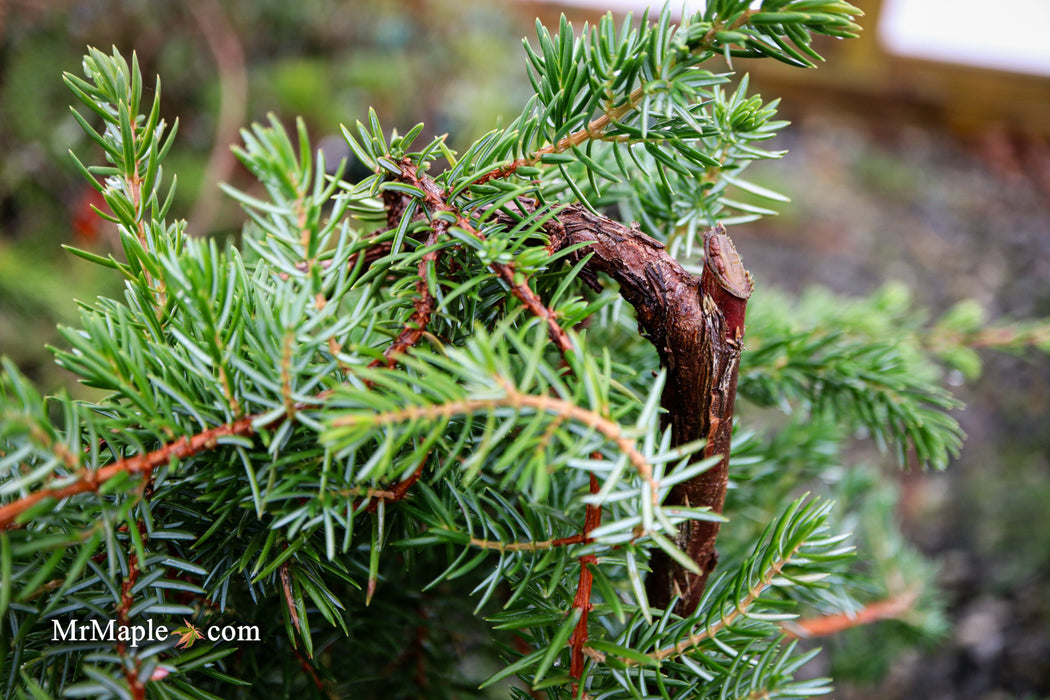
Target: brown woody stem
(696,326)
(578,640)
(708,397)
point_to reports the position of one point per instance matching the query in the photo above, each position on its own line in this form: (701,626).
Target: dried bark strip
(696,326)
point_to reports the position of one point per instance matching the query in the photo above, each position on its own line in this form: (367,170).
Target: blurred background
(919,153)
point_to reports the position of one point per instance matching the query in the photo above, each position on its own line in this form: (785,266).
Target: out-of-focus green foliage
(453,65)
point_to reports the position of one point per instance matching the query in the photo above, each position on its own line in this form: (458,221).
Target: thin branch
(92,479)
(994,337)
(224,380)
(435,201)
(309,669)
(515,399)
(415,650)
(133,190)
(595,129)
(528,546)
(419,645)
(889,608)
(424,304)
(592,519)
(708,632)
(398,490)
(131,665)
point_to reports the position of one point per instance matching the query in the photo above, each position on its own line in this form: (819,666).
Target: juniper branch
(436,202)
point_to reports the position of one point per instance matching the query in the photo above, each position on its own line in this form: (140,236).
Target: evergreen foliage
(396,423)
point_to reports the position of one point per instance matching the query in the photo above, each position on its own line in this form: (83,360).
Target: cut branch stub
(696,326)
(726,287)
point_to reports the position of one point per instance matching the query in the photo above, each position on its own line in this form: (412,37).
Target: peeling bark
(696,325)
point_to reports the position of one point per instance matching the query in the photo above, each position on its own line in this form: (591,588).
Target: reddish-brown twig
(435,201)
(592,519)
(397,491)
(424,305)
(309,670)
(131,666)
(90,480)
(825,625)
